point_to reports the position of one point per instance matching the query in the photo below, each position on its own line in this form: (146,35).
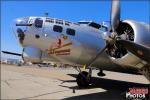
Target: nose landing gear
(84,78)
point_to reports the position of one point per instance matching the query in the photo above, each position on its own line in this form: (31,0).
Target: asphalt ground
(33,82)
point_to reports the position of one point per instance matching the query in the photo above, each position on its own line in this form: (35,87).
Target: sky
(75,10)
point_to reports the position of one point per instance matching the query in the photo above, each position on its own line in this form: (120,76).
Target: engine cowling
(31,54)
(132,31)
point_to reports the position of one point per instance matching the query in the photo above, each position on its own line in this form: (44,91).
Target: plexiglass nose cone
(20,28)
(21,35)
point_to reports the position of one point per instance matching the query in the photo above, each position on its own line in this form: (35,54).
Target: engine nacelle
(140,34)
(31,54)
(141,31)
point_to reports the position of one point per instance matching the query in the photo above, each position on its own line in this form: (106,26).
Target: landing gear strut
(84,78)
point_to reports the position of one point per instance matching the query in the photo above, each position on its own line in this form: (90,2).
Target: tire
(83,81)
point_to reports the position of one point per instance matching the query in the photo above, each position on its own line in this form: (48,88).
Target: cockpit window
(50,20)
(58,21)
(95,25)
(83,22)
(76,24)
(67,23)
(38,22)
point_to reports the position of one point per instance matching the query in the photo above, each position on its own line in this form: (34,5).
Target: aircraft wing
(12,53)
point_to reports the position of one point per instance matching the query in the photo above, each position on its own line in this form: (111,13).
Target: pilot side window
(38,22)
(50,20)
(70,31)
(67,23)
(57,28)
(59,21)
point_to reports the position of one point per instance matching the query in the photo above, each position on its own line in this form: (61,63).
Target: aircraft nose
(21,35)
(20,26)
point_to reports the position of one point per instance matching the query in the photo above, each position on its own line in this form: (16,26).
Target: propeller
(114,21)
(96,56)
(138,50)
(121,42)
(115,15)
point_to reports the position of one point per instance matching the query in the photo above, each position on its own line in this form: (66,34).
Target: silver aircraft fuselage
(69,43)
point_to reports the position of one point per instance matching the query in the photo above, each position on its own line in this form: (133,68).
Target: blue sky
(69,10)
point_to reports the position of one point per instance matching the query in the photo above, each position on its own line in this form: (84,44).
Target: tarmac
(33,82)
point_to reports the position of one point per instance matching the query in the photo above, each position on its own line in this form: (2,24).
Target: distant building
(11,61)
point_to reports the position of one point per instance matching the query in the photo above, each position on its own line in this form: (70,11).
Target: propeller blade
(115,19)
(96,56)
(12,53)
(138,50)
(115,14)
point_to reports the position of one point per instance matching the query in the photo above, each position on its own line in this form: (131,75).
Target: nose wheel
(83,79)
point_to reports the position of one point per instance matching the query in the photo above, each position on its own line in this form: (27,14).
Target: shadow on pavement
(115,89)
